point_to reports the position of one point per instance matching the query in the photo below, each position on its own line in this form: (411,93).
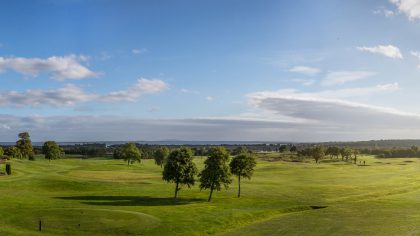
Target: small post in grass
(40,225)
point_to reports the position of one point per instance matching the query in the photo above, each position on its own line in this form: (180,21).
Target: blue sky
(210,70)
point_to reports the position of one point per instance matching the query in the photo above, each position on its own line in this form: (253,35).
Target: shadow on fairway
(131,200)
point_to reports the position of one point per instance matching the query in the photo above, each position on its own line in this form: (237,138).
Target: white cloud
(386,50)
(415,54)
(94,128)
(337,94)
(305,70)
(305,82)
(305,120)
(184,90)
(70,95)
(139,50)
(284,115)
(341,77)
(209,98)
(3,126)
(409,7)
(60,68)
(358,92)
(143,86)
(384,11)
(328,115)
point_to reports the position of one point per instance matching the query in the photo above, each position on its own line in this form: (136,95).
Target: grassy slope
(99,197)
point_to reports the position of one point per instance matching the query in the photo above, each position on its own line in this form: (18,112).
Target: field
(106,197)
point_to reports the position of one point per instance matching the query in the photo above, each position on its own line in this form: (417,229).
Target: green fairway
(107,197)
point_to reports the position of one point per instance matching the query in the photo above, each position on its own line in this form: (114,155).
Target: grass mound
(85,221)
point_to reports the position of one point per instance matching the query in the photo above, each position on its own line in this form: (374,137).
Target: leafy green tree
(317,153)
(180,169)
(1,152)
(131,153)
(293,148)
(216,171)
(239,150)
(282,148)
(356,152)
(160,155)
(117,154)
(242,165)
(51,150)
(24,145)
(13,152)
(346,153)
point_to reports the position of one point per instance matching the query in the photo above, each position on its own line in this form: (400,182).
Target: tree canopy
(13,152)
(131,153)
(180,169)
(160,155)
(242,165)
(216,171)
(24,145)
(51,150)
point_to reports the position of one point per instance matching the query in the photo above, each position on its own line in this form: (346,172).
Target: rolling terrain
(101,196)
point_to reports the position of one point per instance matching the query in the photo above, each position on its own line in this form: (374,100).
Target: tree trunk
(128,162)
(239,185)
(211,193)
(176,190)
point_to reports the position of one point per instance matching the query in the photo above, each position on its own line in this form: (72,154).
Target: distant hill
(391,143)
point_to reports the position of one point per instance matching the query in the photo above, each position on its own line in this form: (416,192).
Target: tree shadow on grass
(131,200)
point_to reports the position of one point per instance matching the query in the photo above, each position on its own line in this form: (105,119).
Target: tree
(51,150)
(131,153)
(317,153)
(13,152)
(24,145)
(242,165)
(293,148)
(346,153)
(117,154)
(239,150)
(333,151)
(1,152)
(180,169)
(356,152)
(282,148)
(160,155)
(216,172)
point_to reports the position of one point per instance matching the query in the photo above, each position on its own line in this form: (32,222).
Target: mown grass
(106,197)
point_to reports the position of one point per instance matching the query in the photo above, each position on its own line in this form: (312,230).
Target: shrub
(8,169)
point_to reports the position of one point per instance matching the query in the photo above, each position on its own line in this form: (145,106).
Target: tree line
(180,169)
(319,152)
(22,150)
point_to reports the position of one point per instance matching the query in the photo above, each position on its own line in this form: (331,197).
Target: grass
(106,197)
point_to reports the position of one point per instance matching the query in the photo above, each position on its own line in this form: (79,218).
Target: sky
(220,70)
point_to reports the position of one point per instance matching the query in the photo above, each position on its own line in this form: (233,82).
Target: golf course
(100,196)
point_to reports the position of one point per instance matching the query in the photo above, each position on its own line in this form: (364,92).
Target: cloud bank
(59,68)
(284,115)
(70,95)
